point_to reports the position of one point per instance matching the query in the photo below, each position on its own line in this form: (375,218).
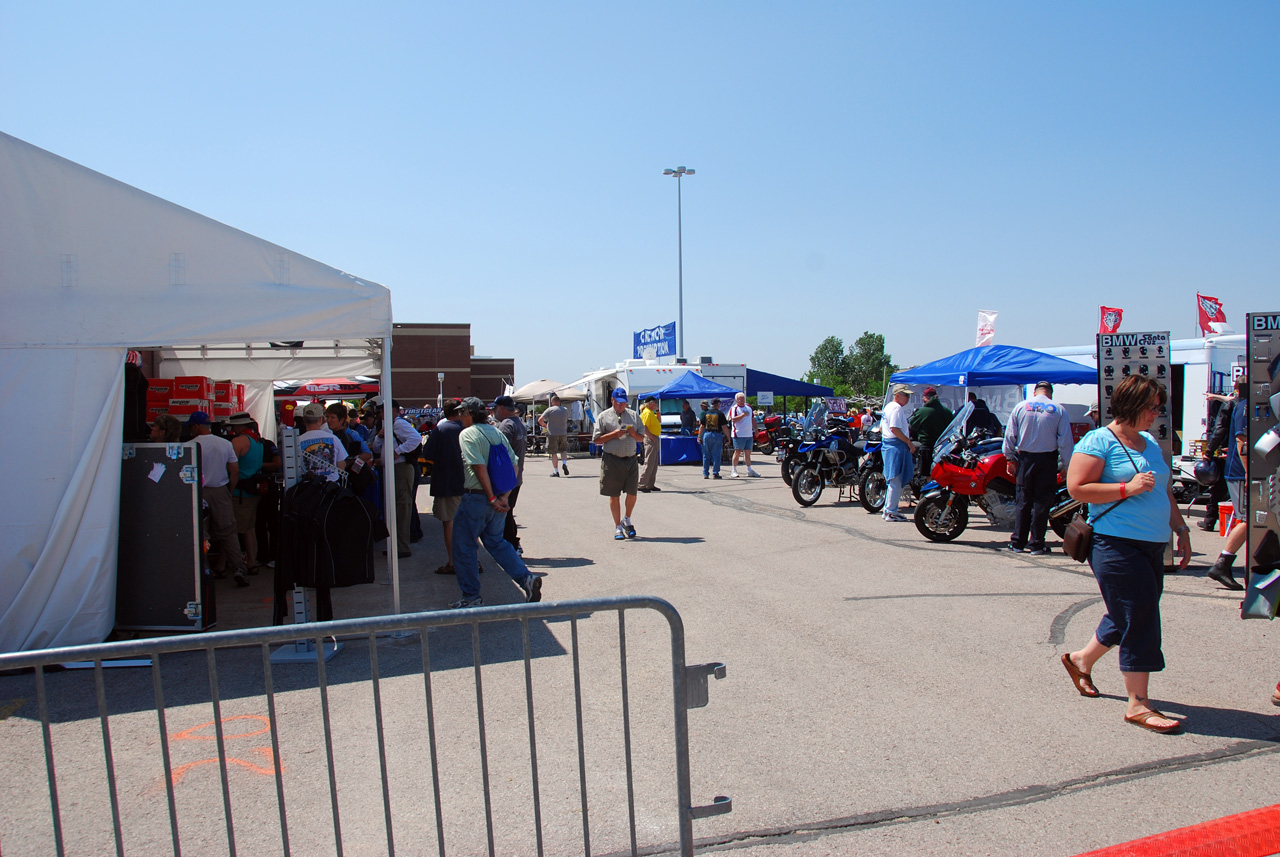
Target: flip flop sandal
(1144,720)
(445,569)
(1082,680)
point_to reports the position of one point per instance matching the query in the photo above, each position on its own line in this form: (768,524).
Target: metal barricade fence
(524,775)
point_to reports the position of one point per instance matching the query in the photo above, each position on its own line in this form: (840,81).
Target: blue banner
(655,342)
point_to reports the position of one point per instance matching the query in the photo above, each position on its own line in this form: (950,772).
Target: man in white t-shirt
(743,425)
(320,450)
(219,473)
(896,451)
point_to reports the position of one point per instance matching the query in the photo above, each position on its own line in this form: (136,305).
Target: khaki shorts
(246,509)
(557,443)
(444,508)
(619,475)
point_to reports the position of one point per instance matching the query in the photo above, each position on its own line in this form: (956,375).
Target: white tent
(90,267)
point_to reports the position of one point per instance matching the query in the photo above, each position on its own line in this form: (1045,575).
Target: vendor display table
(678,449)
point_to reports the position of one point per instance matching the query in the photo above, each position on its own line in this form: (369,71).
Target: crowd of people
(1118,470)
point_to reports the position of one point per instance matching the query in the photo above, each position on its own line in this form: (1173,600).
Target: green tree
(829,365)
(868,363)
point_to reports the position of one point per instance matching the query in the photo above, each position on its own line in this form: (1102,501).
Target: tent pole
(388,473)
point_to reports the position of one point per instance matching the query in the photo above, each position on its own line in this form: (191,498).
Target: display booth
(676,449)
(89,268)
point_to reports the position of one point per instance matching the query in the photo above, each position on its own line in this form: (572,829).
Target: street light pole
(440,399)
(679,173)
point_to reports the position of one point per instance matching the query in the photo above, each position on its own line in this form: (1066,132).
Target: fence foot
(304,652)
(719,806)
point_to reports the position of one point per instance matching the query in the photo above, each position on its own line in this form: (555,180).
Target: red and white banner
(1109,318)
(1210,311)
(986,326)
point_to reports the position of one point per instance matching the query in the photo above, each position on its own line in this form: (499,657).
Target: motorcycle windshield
(817,416)
(954,433)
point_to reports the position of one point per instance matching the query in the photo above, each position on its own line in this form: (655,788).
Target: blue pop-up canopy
(990,365)
(691,385)
(780,386)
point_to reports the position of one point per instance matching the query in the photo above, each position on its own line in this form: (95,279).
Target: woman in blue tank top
(1121,472)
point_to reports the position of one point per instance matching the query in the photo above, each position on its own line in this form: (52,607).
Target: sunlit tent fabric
(691,385)
(780,386)
(541,390)
(90,267)
(991,365)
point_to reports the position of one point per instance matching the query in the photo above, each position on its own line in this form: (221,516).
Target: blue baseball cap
(198,418)
(619,394)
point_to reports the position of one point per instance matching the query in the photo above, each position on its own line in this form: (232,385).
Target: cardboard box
(192,387)
(155,409)
(222,410)
(182,408)
(239,397)
(160,388)
(224,391)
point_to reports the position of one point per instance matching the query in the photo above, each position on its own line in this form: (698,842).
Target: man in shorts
(617,431)
(555,420)
(444,451)
(743,424)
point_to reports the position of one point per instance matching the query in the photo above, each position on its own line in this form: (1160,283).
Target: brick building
(420,351)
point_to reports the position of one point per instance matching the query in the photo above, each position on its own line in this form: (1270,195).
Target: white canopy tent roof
(90,267)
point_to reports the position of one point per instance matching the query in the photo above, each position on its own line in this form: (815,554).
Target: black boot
(1210,522)
(1221,571)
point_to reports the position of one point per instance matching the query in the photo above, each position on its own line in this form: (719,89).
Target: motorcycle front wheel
(790,465)
(806,486)
(939,523)
(872,490)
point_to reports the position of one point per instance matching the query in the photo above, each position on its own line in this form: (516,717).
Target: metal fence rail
(399,727)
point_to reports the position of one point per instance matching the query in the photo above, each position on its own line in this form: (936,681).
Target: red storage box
(192,387)
(224,391)
(222,410)
(238,397)
(160,388)
(155,409)
(183,408)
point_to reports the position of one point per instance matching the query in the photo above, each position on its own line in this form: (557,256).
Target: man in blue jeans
(482,514)
(715,428)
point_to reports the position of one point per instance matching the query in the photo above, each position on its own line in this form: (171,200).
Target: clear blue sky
(860,166)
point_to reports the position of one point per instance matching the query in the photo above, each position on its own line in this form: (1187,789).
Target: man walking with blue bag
(490,475)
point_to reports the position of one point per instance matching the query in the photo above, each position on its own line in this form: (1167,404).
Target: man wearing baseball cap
(896,450)
(617,431)
(219,473)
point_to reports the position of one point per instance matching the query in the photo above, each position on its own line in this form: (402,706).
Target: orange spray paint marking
(271,764)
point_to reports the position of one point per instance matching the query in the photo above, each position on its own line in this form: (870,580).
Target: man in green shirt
(617,430)
(482,512)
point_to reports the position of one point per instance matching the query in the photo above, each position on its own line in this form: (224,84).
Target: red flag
(1210,310)
(1109,319)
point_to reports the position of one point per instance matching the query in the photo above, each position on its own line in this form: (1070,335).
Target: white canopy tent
(90,267)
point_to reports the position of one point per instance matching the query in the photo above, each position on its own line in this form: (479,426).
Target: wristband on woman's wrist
(1183,529)
(1124,488)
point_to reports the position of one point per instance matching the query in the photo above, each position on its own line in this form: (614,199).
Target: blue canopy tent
(691,385)
(992,365)
(780,386)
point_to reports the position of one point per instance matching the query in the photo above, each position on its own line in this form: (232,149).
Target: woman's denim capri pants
(1130,575)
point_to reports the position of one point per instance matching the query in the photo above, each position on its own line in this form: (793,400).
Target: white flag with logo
(986,326)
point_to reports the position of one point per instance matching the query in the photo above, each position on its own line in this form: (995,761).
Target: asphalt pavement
(884,694)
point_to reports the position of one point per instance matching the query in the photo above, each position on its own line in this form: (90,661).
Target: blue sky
(890,167)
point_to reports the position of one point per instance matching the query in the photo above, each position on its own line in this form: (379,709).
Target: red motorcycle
(975,470)
(772,428)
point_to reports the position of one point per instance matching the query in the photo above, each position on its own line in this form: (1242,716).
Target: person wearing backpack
(489,476)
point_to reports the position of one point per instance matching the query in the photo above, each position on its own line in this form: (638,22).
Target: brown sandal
(447,568)
(1144,720)
(1082,680)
